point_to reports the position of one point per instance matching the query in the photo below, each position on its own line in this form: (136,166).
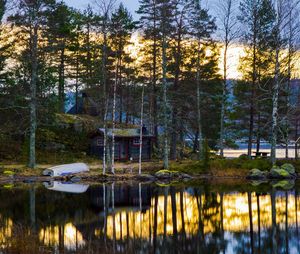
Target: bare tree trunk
(275,93)
(105,139)
(33,85)
(154,80)
(198,81)
(254,79)
(178,53)
(105,7)
(275,109)
(105,98)
(141,132)
(296,139)
(77,81)
(114,121)
(165,102)
(228,25)
(61,79)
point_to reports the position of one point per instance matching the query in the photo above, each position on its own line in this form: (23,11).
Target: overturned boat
(66,170)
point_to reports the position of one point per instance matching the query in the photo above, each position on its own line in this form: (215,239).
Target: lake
(202,217)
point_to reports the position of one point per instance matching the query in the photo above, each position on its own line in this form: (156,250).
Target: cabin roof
(126,132)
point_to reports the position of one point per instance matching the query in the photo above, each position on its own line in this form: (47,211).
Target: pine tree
(31,16)
(257,16)
(202,25)
(60,32)
(149,24)
(178,39)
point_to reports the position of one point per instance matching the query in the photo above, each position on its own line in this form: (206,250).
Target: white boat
(66,187)
(66,169)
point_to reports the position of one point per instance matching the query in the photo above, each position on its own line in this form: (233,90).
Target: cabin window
(99,142)
(136,141)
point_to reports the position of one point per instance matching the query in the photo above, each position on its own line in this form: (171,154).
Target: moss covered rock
(289,168)
(257,174)
(163,174)
(279,173)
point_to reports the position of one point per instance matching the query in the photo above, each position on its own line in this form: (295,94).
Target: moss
(166,171)
(289,168)
(8,172)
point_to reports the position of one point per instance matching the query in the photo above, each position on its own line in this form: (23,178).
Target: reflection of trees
(286,223)
(296,215)
(183,220)
(274,225)
(251,222)
(258,222)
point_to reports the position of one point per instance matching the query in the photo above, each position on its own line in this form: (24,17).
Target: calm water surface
(122,218)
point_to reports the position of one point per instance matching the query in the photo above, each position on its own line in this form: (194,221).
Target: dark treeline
(167,62)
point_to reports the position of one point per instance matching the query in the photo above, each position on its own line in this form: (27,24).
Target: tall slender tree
(166,18)
(177,49)
(105,10)
(149,24)
(228,27)
(30,15)
(202,25)
(257,16)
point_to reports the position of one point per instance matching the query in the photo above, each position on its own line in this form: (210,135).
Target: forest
(167,70)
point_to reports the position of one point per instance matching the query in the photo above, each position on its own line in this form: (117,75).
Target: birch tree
(105,9)
(291,35)
(229,34)
(141,131)
(279,8)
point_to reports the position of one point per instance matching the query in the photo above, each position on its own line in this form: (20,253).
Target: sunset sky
(132,5)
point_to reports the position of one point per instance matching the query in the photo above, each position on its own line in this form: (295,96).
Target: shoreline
(187,170)
(124,178)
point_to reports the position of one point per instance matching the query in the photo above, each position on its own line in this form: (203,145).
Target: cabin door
(123,151)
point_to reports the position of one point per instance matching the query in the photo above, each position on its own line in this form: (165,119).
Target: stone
(289,168)
(166,174)
(279,173)
(256,174)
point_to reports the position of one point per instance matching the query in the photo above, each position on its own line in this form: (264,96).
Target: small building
(127,143)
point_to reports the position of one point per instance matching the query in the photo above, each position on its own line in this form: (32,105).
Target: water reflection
(111,218)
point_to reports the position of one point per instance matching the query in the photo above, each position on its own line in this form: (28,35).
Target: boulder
(279,173)
(167,174)
(257,174)
(289,168)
